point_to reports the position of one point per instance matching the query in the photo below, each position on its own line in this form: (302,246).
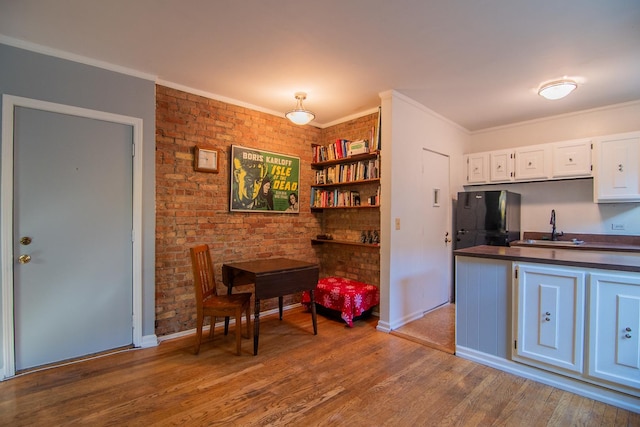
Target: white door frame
(9,103)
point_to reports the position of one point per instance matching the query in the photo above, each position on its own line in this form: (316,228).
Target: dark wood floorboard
(343,376)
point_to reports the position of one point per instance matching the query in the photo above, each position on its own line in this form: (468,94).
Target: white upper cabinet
(501,166)
(613,161)
(572,159)
(533,163)
(617,168)
(477,168)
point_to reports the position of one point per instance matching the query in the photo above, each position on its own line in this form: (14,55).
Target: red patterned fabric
(347,296)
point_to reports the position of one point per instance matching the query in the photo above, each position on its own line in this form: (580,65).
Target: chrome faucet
(554,234)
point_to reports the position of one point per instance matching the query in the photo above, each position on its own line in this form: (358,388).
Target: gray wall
(37,76)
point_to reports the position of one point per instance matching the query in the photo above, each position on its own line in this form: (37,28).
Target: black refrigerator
(487,218)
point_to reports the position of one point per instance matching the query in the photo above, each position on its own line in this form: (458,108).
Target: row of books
(357,171)
(341,149)
(341,198)
(334,198)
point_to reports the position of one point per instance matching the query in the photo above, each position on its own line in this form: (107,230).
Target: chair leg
(212,326)
(238,330)
(199,322)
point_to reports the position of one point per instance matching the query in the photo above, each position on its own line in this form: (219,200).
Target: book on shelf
(375,200)
(376,144)
(331,175)
(354,198)
(360,146)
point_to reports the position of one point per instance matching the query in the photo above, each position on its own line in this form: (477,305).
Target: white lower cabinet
(614,327)
(549,312)
(582,323)
(575,328)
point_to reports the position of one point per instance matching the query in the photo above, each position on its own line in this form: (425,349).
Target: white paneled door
(72,241)
(436,229)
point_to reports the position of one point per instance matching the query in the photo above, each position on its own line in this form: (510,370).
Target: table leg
(256,326)
(280,300)
(226,319)
(313,313)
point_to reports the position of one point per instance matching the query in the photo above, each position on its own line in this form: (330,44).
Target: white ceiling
(476,62)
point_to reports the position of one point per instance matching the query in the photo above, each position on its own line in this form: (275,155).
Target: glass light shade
(558,89)
(300,117)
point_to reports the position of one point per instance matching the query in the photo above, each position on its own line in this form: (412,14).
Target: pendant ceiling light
(299,115)
(557,89)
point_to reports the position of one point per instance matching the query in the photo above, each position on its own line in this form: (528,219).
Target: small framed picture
(206,160)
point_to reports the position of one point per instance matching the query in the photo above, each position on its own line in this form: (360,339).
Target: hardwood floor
(436,329)
(342,376)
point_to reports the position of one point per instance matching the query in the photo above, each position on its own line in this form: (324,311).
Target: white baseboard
(383,326)
(221,323)
(149,341)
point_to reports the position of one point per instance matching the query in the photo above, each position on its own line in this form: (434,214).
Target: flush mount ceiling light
(299,115)
(557,89)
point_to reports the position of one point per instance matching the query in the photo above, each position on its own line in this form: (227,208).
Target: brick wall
(193,207)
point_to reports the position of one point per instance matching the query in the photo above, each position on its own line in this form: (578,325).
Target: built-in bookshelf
(342,242)
(346,178)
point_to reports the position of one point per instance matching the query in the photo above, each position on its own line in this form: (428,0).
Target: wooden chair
(209,303)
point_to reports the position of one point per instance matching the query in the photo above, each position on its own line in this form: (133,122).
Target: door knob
(24,259)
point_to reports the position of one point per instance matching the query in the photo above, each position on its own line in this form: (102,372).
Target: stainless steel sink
(531,242)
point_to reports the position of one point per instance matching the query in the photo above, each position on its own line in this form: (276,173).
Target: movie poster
(262,181)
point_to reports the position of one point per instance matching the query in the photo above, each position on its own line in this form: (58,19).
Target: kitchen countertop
(585,246)
(590,242)
(627,261)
